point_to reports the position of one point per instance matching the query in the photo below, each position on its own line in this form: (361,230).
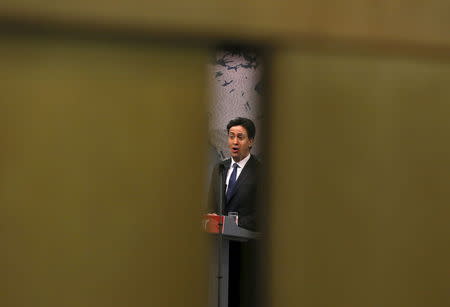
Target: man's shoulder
(254,160)
(223,163)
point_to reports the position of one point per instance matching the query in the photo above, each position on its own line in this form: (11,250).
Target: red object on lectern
(211,223)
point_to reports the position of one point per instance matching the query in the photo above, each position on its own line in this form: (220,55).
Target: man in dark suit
(239,175)
(239,178)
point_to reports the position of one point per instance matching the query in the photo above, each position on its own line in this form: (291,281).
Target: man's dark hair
(244,122)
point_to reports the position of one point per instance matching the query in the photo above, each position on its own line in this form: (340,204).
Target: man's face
(239,143)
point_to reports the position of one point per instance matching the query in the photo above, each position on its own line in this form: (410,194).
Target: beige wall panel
(101,173)
(395,22)
(165,16)
(360,162)
(386,22)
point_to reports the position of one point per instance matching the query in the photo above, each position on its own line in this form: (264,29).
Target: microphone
(223,169)
(224,165)
(221,166)
(221,184)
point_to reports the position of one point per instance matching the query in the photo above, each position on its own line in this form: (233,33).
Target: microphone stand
(219,248)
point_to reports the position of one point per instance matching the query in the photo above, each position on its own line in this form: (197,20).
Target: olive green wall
(98,205)
(360,167)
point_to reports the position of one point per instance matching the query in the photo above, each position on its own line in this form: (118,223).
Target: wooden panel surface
(101,173)
(360,162)
(387,22)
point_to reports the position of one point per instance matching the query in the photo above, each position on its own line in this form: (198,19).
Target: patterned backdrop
(235,76)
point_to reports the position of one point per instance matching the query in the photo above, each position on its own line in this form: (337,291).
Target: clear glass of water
(235,216)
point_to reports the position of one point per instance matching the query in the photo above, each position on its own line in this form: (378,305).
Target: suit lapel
(242,177)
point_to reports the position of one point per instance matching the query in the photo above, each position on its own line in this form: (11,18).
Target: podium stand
(230,232)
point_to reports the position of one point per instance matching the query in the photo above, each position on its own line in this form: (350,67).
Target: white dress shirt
(239,169)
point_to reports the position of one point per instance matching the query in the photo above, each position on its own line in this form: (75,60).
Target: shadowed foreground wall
(97,205)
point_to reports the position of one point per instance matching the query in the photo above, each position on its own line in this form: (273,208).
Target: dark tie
(232,181)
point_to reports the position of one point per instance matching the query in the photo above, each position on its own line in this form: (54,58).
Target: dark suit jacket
(245,195)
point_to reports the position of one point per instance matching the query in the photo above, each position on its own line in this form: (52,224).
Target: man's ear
(251,143)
